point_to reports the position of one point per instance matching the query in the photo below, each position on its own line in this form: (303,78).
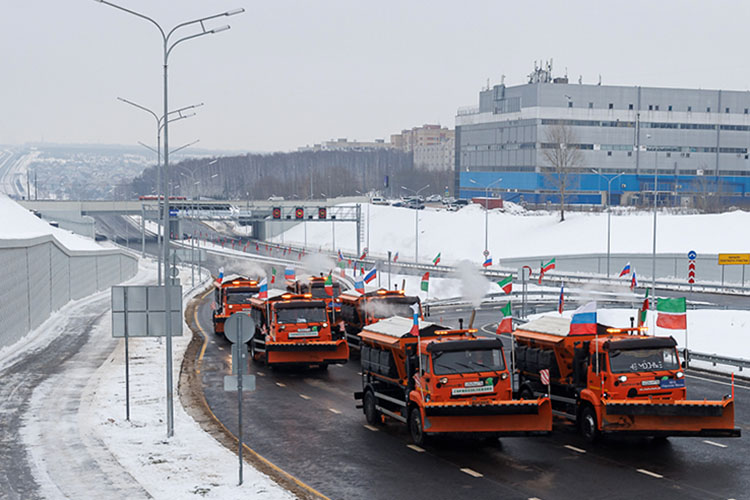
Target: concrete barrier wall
(39,276)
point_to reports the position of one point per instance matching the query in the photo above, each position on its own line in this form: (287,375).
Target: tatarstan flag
(672,313)
(436,260)
(425,285)
(643,311)
(329,285)
(273,275)
(506,321)
(506,284)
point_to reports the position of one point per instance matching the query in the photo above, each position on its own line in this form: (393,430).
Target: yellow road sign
(729,259)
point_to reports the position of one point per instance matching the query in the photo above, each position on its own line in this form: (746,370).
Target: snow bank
(17,223)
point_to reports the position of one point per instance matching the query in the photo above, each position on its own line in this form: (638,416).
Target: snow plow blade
(669,418)
(501,418)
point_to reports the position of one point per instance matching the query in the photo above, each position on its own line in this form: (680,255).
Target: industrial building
(694,141)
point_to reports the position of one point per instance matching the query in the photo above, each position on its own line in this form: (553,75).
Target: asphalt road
(305,421)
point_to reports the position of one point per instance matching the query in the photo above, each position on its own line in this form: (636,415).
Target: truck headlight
(503,376)
(679,375)
(325,325)
(622,378)
(443,380)
(427,398)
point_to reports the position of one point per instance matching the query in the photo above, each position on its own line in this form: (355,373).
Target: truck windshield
(238,297)
(319,292)
(643,360)
(487,360)
(301,315)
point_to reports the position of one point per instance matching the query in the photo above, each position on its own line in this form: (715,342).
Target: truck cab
(359,310)
(232,295)
(293,329)
(315,286)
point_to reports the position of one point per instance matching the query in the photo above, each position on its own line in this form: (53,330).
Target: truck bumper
(502,418)
(672,418)
(307,353)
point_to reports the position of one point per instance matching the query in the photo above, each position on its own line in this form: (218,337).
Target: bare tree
(564,158)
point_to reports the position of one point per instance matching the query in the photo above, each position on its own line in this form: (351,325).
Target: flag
(672,313)
(395,257)
(436,260)
(425,284)
(263,292)
(561,301)
(506,320)
(506,284)
(359,285)
(329,285)
(273,275)
(289,274)
(584,320)
(341,256)
(487,262)
(221,276)
(633,282)
(361,269)
(546,267)
(625,270)
(371,274)
(415,316)
(643,311)
(364,254)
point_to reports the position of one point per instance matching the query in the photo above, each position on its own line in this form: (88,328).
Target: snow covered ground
(517,233)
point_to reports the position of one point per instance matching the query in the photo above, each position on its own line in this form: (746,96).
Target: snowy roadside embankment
(80,444)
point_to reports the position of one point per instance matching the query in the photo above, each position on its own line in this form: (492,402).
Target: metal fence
(39,276)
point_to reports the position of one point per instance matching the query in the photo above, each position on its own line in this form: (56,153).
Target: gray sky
(291,73)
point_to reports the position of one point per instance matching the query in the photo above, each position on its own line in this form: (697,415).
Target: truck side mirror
(682,364)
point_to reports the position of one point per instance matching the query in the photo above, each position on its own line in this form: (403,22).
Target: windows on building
(669,108)
(611,105)
(650,107)
(656,108)
(690,108)
(591,105)
(726,110)
(630,107)
(708,109)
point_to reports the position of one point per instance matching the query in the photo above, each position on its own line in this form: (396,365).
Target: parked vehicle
(378,200)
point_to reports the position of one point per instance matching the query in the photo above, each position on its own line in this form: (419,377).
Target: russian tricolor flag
(359,285)
(341,256)
(625,270)
(633,282)
(395,257)
(221,276)
(487,262)
(415,325)
(263,292)
(371,274)
(289,273)
(584,320)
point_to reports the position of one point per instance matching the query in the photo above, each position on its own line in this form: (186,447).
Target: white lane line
(261,374)
(415,448)
(371,428)
(571,447)
(220,348)
(715,444)
(334,410)
(304,396)
(359,373)
(472,472)
(534,498)
(280,384)
(649,473)
(728,384)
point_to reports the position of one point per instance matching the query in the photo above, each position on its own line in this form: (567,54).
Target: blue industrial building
(696,140)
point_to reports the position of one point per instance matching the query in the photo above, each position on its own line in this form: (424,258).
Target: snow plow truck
(441,381)
(230,296)
(615,381)
(359,310)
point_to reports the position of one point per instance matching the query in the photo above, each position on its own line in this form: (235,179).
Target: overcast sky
(294,73)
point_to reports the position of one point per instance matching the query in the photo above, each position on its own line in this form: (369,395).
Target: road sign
(299,213)
(239,327)
(691,266)
(692,255)
(734,259)
(145,311)
(276,213)
(174,272)
(486,253)
(231,383)
(544,374)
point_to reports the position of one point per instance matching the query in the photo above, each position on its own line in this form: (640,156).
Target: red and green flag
(425,285)
(273,275)
(329,285)
(506,321)
(506,284)
(546,267)
(643,311)
(672,313)
(436,260)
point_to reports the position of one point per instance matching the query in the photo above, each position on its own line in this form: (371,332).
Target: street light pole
(416,222)
(486,214)
(653,252)
(609,210)
(168,46)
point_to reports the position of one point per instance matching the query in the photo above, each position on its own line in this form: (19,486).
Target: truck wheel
(526,393)
(372,415)
(588,424)
(252,351)
(415,427)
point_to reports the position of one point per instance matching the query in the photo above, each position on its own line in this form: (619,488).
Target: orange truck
(359,310)
(293,329)
(615,381)
(315,286)
(443,381)
(231,296)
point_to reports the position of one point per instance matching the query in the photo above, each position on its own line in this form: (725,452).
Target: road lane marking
(649,473)
(261,374)
(280,384)
(220,348)
(728,384)
(472,472)
(371,428)
(359,373)
(415,448)
(304,396)
(334,410)
(715,444)
(571,447)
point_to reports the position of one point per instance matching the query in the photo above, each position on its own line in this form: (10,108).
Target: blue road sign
(692,255)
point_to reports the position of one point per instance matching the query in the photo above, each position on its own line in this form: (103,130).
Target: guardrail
(715,359)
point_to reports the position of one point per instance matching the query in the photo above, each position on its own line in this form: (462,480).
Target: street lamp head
(212,162)
(229,12)
(220,29)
